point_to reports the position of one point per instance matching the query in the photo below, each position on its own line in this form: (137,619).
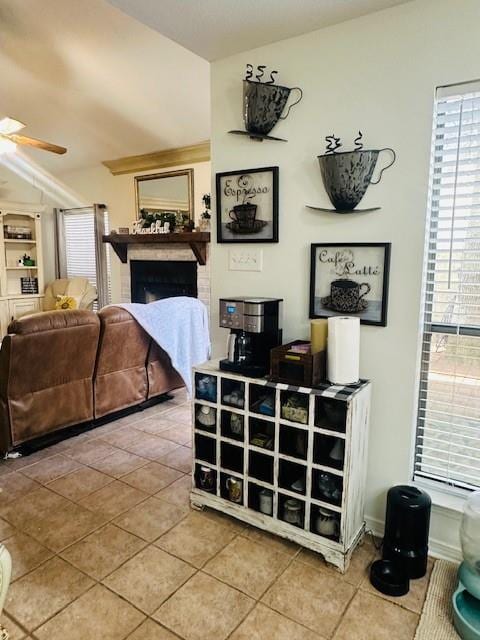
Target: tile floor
(105,545)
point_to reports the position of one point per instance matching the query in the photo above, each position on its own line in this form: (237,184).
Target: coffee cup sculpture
(264,103)
(347,175)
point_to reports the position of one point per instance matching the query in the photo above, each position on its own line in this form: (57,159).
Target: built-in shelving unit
(300,450)
(13,302)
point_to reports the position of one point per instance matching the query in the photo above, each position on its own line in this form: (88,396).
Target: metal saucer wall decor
(263,104)
(347,174)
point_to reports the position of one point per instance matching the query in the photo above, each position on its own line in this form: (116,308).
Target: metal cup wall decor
(263,104)
(347,174)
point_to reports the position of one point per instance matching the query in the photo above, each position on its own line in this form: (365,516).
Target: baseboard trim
(436,548)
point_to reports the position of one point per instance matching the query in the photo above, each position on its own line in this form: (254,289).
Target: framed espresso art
(247,205)
(350,280)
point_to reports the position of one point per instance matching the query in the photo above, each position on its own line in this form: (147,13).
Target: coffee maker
(255,329)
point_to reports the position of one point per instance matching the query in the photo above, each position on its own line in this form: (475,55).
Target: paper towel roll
(343,350)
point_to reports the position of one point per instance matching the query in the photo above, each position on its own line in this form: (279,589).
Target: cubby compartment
(205,478)
(205,387)
(260,466)
(205,448)
(261,433)
(292,476)
(328,451)
(291,510)
(293,442)
(325,523)
(205,418)
(260,499)
(232,425)
(262,400)
(330,414)
(231,457)
(233,393)
(232,488)
(294,406)
(327,487)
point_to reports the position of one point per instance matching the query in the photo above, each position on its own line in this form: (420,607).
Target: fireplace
(156,279)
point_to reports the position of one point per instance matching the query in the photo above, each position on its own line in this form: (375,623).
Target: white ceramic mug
(265,499)
(327,524)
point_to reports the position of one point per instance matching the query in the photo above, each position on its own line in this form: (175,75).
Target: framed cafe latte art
(247,205)
(350,280)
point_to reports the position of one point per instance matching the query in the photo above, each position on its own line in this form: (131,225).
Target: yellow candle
(318,334)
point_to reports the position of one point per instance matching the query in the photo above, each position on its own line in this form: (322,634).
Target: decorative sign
(247,205)
(350,279)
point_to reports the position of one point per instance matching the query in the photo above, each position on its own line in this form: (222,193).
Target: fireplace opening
(157,279)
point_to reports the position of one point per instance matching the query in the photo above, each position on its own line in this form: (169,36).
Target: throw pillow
(64,303)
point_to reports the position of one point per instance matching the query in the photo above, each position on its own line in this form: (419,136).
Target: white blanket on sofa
(180,327)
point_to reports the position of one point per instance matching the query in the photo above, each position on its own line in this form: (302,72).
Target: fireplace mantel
(197,240)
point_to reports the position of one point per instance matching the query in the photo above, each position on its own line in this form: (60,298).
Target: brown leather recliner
(121,376)
(46,367)
(162,377)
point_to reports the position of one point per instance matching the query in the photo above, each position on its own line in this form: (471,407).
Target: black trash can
(407,524)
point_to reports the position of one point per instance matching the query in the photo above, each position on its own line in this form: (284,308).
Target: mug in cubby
(292,476)
(232,425)
(291,510)
(329,451)
(260,499)
(327,487)
(326,523)
(231,488)
(205,417)
(233,393)
(206,387)
(205,478)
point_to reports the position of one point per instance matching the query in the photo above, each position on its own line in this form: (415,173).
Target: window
(81,252)
(448,420)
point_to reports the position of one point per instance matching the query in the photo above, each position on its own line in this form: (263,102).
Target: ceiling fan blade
(38,144)
(9,125)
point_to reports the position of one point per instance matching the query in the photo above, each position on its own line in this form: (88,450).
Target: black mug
(346,295)
(244,215)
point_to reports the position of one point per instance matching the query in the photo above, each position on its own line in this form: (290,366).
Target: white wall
(97,184)
(378,74)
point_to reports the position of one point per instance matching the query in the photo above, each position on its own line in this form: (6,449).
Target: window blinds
(448,421)
(80,245)
(82,250)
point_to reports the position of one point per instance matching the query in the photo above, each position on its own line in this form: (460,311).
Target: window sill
(451,502)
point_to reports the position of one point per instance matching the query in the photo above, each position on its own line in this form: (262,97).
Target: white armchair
(78,288)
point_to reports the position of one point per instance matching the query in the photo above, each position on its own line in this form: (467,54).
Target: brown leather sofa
(64,368)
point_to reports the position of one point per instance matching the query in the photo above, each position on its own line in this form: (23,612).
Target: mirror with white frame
(166,193)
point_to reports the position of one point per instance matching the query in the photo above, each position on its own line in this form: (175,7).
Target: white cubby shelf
(321,463)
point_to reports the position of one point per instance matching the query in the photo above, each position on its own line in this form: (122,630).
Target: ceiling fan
(9,138)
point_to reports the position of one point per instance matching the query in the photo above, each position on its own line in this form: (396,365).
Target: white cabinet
(4,317)
(290,460)
(21,261)
(18,307)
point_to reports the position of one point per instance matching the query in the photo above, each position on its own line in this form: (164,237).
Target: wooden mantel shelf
(197,241)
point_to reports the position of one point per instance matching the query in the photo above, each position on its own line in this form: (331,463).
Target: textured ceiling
(85,75)
(216,29)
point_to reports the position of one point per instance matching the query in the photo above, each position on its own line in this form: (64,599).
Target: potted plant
(206,215)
